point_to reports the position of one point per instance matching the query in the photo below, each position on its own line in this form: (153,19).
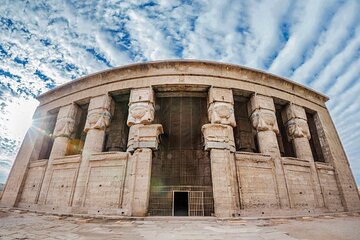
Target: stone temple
(182,138)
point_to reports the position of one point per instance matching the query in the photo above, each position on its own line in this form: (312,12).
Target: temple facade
(182,138)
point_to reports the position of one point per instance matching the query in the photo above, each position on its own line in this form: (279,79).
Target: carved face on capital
(64,127)
(298,128)
(140,113)
(264,120)
(97,120)
(222,113)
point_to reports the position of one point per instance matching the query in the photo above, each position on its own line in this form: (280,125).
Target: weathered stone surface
(144,136)
(264,120)
(224,188)
(258,102)
(66,120)
(296,122)
(258,187)
(221,106)
(141,106)
(217,94)
(139,185)
(218,136)
(262,113)
(222,113)
(99,113)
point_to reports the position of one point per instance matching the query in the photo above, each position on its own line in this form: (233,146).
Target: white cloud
(265,36)
(147,38)
(330,75)
(308,20)
(330,41)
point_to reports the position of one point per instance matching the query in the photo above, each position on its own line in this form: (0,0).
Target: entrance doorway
(180,164)
(181,204)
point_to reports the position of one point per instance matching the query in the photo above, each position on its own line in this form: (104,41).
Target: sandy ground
(25,225)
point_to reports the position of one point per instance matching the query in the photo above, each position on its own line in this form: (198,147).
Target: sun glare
(20,117)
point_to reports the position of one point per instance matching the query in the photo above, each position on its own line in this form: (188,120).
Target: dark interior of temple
(181,164)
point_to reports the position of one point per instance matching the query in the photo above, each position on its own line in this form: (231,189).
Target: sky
(46,43)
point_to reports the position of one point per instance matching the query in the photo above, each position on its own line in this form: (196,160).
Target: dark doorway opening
(181,203)
(181,164)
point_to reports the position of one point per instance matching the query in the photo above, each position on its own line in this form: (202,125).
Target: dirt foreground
(17,224)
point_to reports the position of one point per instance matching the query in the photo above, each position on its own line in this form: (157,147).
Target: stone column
(143,138)
(219,139)
(98,119)
(12,190)
(262,115)
(64,128)
(299,133)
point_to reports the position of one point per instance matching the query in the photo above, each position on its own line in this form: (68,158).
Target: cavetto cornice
(183,68)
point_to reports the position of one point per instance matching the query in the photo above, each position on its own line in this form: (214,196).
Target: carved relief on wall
(99,113)
(218,136)
(141,106)
(144,136)
(65,123)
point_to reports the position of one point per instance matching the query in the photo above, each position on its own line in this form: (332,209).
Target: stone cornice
(182,68)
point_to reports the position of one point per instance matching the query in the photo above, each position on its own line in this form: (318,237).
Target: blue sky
(44,44)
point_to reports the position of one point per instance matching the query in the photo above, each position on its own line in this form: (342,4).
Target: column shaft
(64,128)
(298,131)
(224,183)
(141,160)
(98,118)
(143,138)
(267,142)
(262,115)
(302,148)
(219,139)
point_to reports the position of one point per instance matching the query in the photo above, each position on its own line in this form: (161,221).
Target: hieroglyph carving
(144,136)
(296,125)
(218,136)
(221,106)
(65,123)
(141,106)
(99,114)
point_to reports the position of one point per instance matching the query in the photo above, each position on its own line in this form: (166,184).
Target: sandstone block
(218,136)
(144,136)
